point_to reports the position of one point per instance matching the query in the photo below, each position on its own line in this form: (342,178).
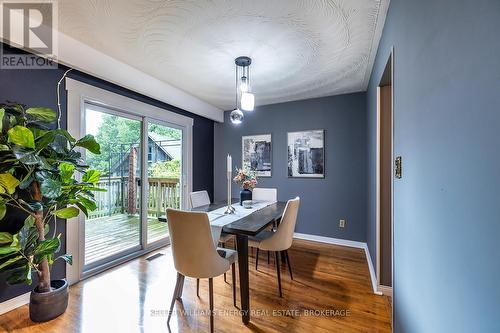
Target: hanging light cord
(59,113)
(236,84)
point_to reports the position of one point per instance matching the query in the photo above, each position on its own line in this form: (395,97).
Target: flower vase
(245,194)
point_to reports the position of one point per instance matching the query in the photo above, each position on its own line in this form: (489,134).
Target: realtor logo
(30,26)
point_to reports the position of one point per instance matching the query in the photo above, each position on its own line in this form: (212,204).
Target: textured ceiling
(300,49)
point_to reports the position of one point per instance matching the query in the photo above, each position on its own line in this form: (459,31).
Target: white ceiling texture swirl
(300,48)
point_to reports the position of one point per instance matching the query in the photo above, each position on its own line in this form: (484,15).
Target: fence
(162,193)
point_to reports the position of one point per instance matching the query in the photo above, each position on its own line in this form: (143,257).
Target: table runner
(218,219)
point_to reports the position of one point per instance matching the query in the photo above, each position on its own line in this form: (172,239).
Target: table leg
(242,246)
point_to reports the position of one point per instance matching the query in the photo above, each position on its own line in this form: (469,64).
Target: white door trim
(378,187)
(78,94)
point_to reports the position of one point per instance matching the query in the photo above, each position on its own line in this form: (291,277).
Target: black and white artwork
(256,154)
(306,154)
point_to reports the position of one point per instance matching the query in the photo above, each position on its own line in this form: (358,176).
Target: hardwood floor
(331,292)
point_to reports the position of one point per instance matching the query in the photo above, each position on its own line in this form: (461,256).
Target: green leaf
(67,213)
(28,275)
(17,275)
(8,182)
(5,238)
(26,155)
(10,261)
(3,211)
(44,114)
(88,142)
(2,113)
(51,188)
(21,136)
(66,171)
(91,176)
(8,249)
(47,247)
(66,257)
(87,203)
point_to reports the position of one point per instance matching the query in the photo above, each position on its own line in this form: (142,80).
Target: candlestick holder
(230,209)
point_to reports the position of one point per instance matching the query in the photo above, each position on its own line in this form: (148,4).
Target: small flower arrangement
(245,179)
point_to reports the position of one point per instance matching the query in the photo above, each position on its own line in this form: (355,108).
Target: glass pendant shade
(236,116)
(247,101)
(244,84)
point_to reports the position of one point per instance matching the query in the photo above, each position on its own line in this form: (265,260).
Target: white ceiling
(300,49)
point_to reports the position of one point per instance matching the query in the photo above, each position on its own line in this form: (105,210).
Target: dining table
(244,227)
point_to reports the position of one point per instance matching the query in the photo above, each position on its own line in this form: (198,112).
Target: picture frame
(306,154)
(256,154)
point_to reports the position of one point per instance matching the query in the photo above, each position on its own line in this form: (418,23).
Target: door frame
(386,290)
(78,94)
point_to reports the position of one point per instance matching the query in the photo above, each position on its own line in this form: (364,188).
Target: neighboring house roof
(170,146)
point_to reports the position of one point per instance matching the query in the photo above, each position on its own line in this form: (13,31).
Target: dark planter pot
(245,194)
(49,305)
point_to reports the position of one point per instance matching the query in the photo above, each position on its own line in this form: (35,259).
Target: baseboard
(13,303)
(330,240)
(349,243)
(373,276)
(385,290)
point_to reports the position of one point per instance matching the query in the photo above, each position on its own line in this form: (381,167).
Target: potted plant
(38,168)
(247,180)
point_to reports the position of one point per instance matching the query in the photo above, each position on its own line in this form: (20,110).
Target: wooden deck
(108,235)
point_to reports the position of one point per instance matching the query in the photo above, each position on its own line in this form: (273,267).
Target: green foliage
(165,169)
(21,136)
(39,168)
(117,135)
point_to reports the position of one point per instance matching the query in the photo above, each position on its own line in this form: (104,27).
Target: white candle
(229,163)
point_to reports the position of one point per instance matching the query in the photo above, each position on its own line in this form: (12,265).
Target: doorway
(385,120)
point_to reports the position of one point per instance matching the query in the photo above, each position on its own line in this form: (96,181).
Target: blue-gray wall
(447,125)
(342,194)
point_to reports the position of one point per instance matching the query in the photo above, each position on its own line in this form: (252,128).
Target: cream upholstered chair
(281,239)
(265,194)
(195,254)
(201,198)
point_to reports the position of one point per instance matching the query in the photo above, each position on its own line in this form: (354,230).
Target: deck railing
(162,193)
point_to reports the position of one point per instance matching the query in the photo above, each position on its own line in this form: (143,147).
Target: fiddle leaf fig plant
(43,177)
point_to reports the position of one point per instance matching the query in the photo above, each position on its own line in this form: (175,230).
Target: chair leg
(198,287)
(277,258)
(211,300)
(174,296)
(181,287)
(289,265)
(233,273)
(268,261)
(257,259)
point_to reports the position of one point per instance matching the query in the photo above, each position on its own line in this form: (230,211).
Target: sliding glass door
(114,228)
(126,220)
(164,170)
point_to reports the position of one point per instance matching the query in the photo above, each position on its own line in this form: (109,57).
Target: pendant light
(243,89)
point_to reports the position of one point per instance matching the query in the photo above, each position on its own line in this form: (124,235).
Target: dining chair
(201,198)
(280,240)
(195,254)
(265,194)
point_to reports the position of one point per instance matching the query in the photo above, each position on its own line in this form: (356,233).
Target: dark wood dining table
(249,225)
